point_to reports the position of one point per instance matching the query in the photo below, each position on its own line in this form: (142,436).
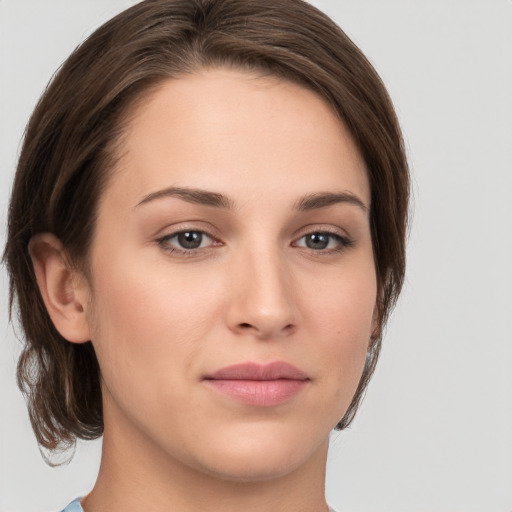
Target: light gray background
(435,431)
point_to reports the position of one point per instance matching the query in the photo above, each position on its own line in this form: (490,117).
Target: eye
(186,240)
(322,241)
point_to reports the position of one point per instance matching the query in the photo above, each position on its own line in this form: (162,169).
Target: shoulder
(74,506)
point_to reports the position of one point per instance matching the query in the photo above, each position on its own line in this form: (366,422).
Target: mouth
(257,384)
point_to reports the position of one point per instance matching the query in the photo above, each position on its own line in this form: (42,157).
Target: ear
(64,291)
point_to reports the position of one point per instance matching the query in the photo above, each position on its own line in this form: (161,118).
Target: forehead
(237,132)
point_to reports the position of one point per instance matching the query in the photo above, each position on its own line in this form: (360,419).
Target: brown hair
(69,149)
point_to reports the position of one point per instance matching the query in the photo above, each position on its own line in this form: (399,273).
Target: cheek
(342,318)
(345,304)
(148,320)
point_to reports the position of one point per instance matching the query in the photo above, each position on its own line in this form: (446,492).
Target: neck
(134,476)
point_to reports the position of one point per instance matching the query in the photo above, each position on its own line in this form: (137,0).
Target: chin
(261,455)
(254,469)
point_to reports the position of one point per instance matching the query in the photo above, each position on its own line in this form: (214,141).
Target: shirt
(75,506)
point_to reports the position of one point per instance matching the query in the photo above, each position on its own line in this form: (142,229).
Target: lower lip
(263,393)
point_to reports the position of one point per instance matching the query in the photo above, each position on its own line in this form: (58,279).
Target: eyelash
(343,242)
(165,242)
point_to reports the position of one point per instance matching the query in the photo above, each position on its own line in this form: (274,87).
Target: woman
(206,237)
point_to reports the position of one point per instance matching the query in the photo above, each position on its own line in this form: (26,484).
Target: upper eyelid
(180,227)
(321,228)
(298,234)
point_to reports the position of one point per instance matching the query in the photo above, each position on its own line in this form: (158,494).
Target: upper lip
(256,371)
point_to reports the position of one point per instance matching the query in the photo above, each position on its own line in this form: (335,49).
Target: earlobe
(62,290)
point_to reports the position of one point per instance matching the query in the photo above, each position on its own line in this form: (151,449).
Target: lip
(257,384)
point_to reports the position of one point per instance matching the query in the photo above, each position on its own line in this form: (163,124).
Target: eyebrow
(191,195)
(325,199)
(216,200)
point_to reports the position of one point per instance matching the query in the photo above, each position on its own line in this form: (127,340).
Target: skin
(160,319)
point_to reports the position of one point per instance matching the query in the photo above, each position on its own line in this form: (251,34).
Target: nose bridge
(264,301)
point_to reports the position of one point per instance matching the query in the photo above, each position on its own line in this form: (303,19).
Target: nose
(262,302)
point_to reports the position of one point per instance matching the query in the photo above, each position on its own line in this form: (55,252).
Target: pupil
(190,239)
(317,241)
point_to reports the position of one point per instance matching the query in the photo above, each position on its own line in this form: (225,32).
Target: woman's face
(232,287)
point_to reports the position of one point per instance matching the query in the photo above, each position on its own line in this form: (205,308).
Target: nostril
(288,328)
(285,330)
